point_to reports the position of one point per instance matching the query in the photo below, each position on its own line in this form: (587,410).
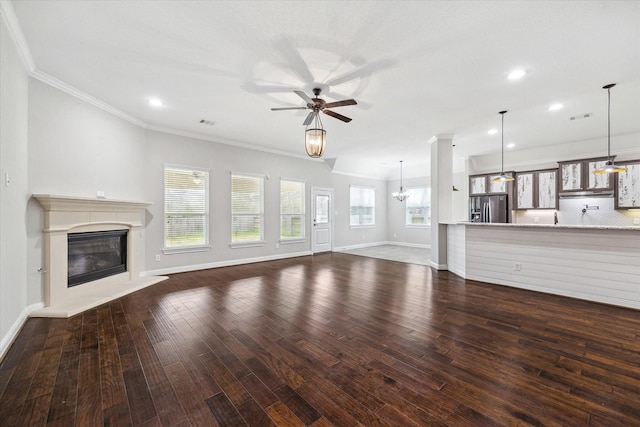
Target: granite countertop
(563,226)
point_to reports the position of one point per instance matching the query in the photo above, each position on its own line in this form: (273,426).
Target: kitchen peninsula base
(597,263)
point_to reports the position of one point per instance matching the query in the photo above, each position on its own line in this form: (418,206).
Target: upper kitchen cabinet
(627,185)
(477,184)
(547,188)
(537,189)
(577,175)
(482,184)
(525,190)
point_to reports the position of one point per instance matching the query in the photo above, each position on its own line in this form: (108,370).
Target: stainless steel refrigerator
(494,208)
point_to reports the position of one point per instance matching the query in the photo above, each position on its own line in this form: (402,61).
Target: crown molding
(10,18)
(67,88)
(236,144)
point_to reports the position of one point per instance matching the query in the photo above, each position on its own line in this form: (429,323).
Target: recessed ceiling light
(492,131)
(516,74)
(511,145)
(556,107)
(156,102)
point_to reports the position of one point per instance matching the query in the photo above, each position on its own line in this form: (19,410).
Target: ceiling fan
(316,105)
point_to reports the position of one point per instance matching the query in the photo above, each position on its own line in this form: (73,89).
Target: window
(292,223)
(362,206)
(186,207)
(247,208)
(418,206)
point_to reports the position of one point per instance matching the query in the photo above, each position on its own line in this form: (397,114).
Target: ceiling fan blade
(337,116)
(362,72)
(296,61)
(304,96)
(309,118)
(340,103)
(288,108)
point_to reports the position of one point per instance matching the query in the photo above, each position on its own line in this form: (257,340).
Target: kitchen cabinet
(537,189)
(547,188)
(524,190)
(478,184)
(577,175)
(627,186)
(482,184)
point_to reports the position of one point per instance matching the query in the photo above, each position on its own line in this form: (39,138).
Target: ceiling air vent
(207,122)
(580,116)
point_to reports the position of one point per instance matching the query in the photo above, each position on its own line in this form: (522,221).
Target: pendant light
(315,138)
(503,177)
(401,195)
(609,166)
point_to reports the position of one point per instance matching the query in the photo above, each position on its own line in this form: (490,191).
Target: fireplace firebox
(95,255)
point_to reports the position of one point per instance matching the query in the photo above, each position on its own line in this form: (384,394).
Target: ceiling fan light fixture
(609,165)
(314,141)
(315,137)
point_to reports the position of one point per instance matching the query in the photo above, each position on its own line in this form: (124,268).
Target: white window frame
(186,248)
(303,215)
(247,243)
(427,207)
(373,210)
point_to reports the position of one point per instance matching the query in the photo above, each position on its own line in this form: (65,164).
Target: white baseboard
(13,332)
(368,245)
(438,266)
(195,267)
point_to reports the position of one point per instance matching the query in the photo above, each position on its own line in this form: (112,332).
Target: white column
(441,197)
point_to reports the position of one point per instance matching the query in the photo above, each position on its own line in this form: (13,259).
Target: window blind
(362,206)
(417,206)
(186,207)
(247,208)
(292,209)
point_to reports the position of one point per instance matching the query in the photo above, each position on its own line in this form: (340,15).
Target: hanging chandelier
(315,137)
(503,177)
(609,166)
(400,195)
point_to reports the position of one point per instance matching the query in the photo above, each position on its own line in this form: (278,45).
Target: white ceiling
(417,69)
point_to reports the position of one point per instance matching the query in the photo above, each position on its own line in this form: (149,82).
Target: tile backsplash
(570,212)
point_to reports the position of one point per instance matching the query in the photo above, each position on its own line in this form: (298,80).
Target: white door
(321,226)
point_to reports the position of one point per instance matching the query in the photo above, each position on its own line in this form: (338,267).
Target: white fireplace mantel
(64,215)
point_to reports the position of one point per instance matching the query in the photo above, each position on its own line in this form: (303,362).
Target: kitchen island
(595,263)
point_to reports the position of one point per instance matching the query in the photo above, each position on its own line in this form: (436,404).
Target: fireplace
(92,252)
(95,255)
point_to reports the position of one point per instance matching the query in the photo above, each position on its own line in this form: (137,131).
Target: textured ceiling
(417,69)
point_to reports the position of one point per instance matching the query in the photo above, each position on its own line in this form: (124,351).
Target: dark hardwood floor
(332,339)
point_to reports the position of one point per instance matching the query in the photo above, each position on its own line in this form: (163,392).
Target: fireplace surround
(65,216)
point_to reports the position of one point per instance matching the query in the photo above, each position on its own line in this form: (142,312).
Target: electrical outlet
(517,266)
(100,194)
(157,258)
(277,245)
(536,219)
(636,221)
